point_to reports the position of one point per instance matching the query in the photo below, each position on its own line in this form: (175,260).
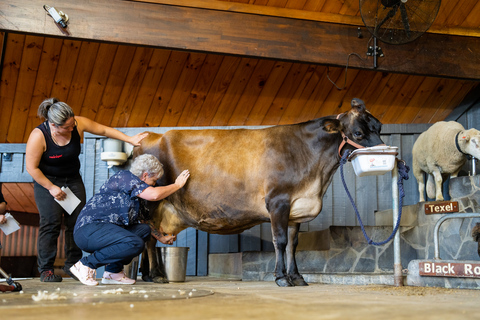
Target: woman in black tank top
(52,160)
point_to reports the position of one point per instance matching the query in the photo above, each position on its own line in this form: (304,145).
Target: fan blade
(389,15)
(406,24)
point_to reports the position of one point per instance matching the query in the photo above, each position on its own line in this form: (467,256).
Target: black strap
(469,157)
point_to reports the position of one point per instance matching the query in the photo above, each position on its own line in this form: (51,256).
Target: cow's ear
(358,105)
(332,125)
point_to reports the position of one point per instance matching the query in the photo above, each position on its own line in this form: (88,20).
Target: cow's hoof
(160,280)
(284,282)
(147,278)
(299,282)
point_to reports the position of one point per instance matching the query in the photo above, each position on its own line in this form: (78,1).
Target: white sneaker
(116,278)
(84,274)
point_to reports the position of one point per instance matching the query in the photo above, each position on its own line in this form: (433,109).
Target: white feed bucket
(175,262)
(374,160)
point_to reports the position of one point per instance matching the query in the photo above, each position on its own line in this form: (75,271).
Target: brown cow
(244,177)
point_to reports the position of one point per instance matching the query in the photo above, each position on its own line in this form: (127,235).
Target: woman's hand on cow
(136,139)
(182,178)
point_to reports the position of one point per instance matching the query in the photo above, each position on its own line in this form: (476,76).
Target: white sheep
(441,151)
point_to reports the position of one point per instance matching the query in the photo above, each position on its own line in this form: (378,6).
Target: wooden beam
(297,14)
(243,34)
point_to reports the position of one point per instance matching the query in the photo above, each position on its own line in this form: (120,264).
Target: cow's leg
(152,266)
(157,267)
(292,269)
(145,266)
(279,214)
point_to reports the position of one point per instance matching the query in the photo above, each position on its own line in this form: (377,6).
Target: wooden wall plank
(289,87)
(314,5)
(456,99)
(234,92)
(404,95)
(12,203)
(199,92)
(10,72)
(26,82)
(65,69)
(170,77)
(471,21)
(116,79)
(98,80)
(434,99)
(335,97)
(271,89)
(82,74)
(217,91)
(27,189)
(252,91)
(44,81)
(420,98)
(386,97)
(184,86)
(149,87)
(136,73)
(22,199)
(295,4)
(304,91)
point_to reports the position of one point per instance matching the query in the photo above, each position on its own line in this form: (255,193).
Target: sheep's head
(469,142)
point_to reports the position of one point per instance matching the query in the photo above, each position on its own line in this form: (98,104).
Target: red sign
(441,207)
(449,269)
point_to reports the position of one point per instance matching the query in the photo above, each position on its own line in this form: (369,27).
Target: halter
(346,140)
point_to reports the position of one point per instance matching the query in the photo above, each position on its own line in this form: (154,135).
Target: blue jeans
(110,245)
(51,216)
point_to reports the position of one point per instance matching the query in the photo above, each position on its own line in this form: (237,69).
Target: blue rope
(402,175)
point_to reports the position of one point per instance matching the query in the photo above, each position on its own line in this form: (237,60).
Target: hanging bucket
(374,160)
(175,262)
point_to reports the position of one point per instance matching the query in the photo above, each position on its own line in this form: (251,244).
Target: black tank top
(60,161)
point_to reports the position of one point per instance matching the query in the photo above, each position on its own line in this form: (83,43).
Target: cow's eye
(357,135)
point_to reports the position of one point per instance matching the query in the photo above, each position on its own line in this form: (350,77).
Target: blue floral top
(116,202)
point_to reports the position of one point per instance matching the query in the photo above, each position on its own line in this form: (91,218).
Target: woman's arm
(35,148)
(85,124)
(3,207)
(159,193)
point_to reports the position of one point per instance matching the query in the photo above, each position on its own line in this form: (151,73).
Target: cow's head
(359,128)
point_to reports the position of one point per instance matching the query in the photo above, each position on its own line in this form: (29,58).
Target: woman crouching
(109,225)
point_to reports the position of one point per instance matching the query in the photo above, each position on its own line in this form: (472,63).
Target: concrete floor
(209,298)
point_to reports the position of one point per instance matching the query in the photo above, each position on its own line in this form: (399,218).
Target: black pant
(51,214)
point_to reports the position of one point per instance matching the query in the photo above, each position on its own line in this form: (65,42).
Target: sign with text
(449,269)
(441,207)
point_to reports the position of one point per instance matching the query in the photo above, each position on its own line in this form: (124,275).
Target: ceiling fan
(398,21)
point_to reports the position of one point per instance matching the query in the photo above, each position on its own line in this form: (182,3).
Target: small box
(373,161)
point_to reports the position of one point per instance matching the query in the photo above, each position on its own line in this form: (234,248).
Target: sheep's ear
(466,137)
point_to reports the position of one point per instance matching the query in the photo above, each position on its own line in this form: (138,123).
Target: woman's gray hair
(146,163)
(55,111)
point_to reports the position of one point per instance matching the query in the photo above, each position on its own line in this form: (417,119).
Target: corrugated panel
(24,243)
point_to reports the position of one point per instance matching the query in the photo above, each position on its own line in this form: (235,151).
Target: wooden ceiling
(124,85)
